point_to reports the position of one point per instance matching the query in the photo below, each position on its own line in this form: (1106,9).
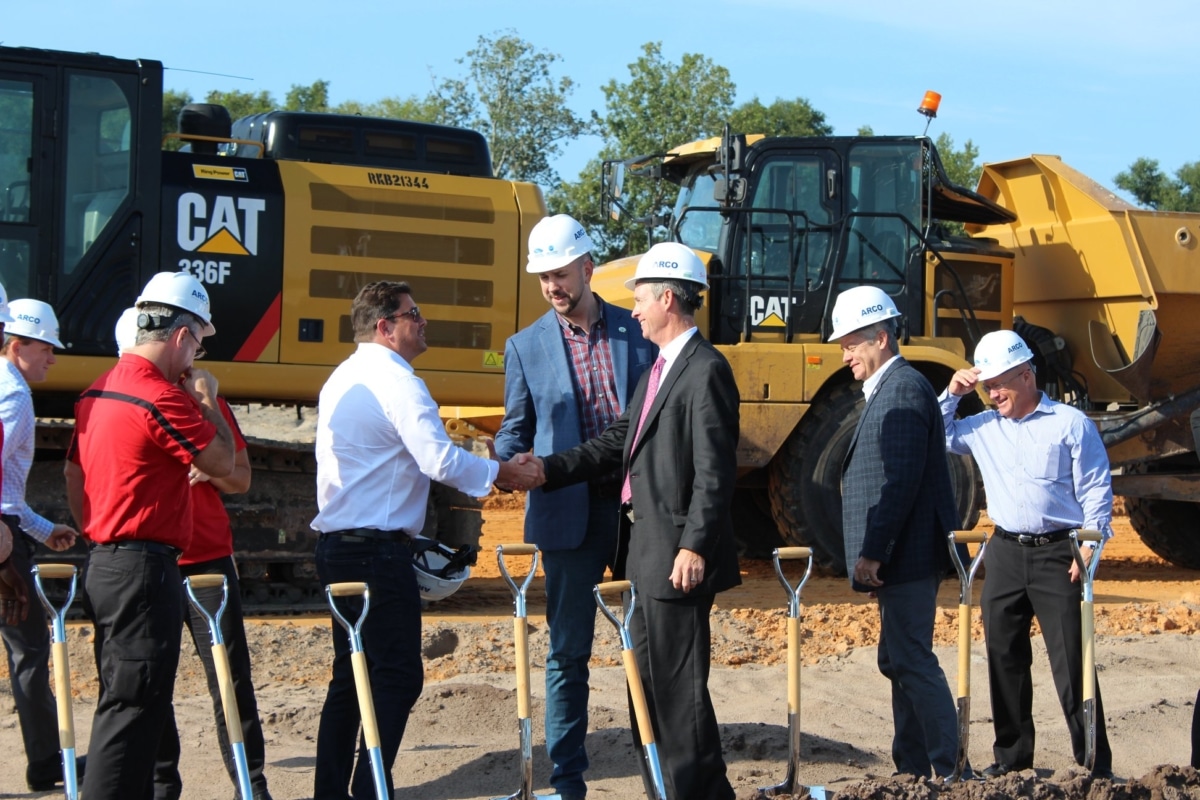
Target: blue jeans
(392,642)
(571,616)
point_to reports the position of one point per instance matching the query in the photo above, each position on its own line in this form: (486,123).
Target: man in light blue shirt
(1046,473)
(28,353)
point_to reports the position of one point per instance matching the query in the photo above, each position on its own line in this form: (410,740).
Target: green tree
(173,103)
(419,109)
(661,106)
(1153,189)
(962,166)
(511,96)
(314,97)
(781,118)
(243,104)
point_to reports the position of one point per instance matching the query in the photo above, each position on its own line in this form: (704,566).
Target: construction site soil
(462,737)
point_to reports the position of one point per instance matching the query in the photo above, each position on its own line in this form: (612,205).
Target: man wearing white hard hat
(211,553)
(897,509)
(567,377)
(28,353)
(676,446)
(139,429)
(1045,471)
(14,597)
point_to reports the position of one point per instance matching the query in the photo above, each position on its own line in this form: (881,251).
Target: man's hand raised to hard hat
(964,381)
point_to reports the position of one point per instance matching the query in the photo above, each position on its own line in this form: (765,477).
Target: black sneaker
(44,776)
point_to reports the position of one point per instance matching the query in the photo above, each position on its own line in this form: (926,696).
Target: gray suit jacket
(541,413)
(682,471)
(897,499)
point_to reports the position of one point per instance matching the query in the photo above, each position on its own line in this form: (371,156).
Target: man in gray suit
(567,377)
(676,446)
(897,508)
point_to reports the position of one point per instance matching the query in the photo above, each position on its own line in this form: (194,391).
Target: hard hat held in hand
(5,316)
(859,307)
(179,290)
(668,261)
(1000,351)
(126,330)
(555,242)
(33,319)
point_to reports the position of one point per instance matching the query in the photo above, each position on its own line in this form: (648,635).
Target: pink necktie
(651,391)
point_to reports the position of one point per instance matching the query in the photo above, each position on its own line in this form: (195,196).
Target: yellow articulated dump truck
(283,216)
(1106,295)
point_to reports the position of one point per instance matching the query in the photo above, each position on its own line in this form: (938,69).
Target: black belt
(1035,539)
(373,534)
(145,546)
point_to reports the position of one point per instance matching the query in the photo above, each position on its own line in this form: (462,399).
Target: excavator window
(16,160)
(99,170)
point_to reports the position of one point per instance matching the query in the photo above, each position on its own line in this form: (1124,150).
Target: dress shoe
(998,769)
(45,775)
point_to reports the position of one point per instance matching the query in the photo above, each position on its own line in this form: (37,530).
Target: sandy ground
(462,739)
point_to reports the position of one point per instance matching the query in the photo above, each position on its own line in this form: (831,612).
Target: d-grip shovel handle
(349,589)
(633,678)
(56,571)
(207,581)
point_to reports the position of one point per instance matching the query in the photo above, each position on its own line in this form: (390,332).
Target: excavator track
(274,543)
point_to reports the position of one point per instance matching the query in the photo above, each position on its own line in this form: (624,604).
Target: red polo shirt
(136,434)
(211,535)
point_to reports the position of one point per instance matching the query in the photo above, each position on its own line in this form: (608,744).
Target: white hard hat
(669,261)
(179,290)
(5,316)
(555,242)
(126,330)
(859,307)
(33,319)
(440,570)
(1000,351)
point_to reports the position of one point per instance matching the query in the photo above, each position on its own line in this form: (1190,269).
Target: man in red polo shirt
(211,553)
(138,431)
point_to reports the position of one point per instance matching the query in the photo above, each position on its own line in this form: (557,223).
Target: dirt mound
(1161,783)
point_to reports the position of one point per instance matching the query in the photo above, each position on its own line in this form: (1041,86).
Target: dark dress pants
(672,643)
(926,723)
(167,783)
(28,647)
(392,642)
(133,597)
(1023,582)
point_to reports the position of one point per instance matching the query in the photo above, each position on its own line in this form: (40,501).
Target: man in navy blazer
(897,509)
(566,378)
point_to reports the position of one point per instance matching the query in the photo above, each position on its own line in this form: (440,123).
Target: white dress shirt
(379,443)
(16,412)
(671,350)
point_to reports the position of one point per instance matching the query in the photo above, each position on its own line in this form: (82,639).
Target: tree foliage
(661,106)
(511,96)
(962,166)
(781,118)
(1153,189)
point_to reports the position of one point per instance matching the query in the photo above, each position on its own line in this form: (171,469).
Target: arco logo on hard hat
(875,309)
(29,318)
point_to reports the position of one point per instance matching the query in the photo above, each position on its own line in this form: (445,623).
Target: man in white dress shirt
(380,442)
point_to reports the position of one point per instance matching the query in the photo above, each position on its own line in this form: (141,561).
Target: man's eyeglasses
(413,313)
(996,386)
(200,351)
(853,348)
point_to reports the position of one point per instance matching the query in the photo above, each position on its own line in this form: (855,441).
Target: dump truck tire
(1168,527)
(806,474)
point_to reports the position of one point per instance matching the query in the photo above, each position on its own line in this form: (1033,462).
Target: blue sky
(1099,83)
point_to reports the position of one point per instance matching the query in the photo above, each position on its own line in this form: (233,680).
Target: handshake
(523,471)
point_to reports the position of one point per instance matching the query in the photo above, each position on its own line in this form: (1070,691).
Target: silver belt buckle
(630,515)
